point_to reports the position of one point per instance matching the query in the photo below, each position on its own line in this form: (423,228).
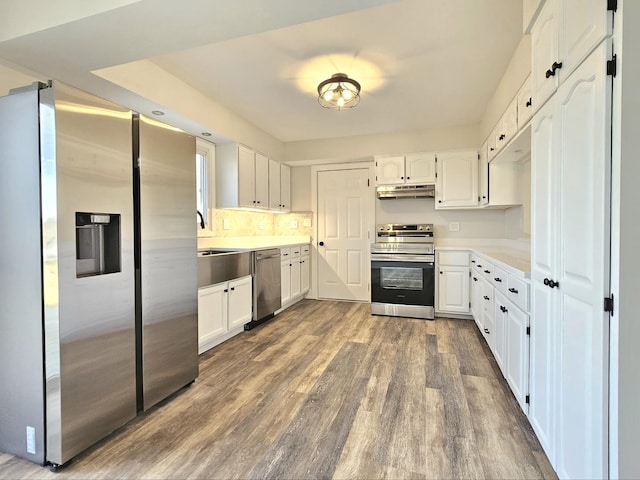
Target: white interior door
(343,236)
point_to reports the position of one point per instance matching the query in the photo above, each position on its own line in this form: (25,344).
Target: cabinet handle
(501,137)
(528,104)
(486,330)
(254,201)
(486,298)
(233,289)
(473,261)
(513,290)
(258,201)
(439,201)
(475,279)
(321,244)
(484,196)
(551,283)
(503,309)
(226,290)
(487,271)
(408,178)
(479,266)
(498,279)
(440,273)
(491,149)
(401,178)
(552,71)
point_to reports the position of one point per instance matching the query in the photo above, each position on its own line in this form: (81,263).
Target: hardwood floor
(325,390)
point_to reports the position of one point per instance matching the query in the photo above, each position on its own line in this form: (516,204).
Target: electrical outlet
(226,224)
(262,225)
(306,222)
(31,440)
(454,226)
(293,224)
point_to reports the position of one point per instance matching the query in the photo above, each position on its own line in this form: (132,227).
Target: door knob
(321,244)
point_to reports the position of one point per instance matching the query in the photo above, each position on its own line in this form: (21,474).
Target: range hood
(405,191)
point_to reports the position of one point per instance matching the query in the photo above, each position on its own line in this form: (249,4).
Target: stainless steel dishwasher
(266,285)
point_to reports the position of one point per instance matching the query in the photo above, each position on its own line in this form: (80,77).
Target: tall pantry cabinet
(571,156)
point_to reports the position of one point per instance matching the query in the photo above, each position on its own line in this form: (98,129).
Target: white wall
(363,147)
(477,223)
(301,189)
(12,78)
(514,76)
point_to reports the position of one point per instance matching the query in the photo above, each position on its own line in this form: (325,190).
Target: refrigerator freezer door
(168,266)
(86,145)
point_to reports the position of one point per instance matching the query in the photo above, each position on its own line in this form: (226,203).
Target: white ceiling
(422,63)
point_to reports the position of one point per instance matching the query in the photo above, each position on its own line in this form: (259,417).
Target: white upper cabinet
(420,168)
(483,176)
(507,127)
(564,34)
(525,104)
(457,182)
(411,169)
(262,181)
(242,178)
(279,186)
(545,54)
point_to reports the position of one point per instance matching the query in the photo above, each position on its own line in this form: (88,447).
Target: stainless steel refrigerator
(98,273)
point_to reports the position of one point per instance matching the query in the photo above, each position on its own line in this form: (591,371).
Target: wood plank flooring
(326,390)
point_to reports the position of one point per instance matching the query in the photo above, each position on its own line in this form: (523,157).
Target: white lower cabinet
(487,312)
(294,273)
(453,282)
(223,309)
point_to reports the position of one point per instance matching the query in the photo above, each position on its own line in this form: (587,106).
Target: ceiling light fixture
(206,134)
(339,92)
(157,112)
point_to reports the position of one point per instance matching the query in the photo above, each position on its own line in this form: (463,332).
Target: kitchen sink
(222,266)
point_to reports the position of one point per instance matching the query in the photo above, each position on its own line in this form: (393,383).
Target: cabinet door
(483,175)
(212,313)
(492,149)
(584,24)
(453,289)
(285,282)
(246,177)
(457,183)
(305,271)
(487,312)
(295,278)
(262,181)
(517,353)
(240,301)
(500,329)
(544,52)
(275,202)
(476,300)
(544,249)
(390,170)
(509,124)
(285,187)
(584,135)
(525,105)
(420,168)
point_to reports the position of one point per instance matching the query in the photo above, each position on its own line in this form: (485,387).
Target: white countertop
(251,243)
(514,255)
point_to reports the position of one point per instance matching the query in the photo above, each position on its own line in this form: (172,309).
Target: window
(205,154)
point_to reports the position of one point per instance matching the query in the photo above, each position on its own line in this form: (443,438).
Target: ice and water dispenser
(97,244)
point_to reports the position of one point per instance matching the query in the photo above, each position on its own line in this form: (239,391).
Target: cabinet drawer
(454,259)
(295,251)
(500,279)
(486,271)
(518,292)
(475,260)
(285,254)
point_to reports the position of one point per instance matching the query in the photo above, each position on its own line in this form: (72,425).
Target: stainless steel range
(402,271)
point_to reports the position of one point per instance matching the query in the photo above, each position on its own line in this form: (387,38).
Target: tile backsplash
(241,223)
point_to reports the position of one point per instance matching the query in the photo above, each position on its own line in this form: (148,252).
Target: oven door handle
(402,258)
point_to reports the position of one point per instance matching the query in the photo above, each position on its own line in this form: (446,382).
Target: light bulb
(328,95)
(347,95)
(340,101)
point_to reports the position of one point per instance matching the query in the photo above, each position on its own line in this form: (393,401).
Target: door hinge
(478,156)
(608,304)
(436,174)
(612,66)
(376,164)
(612,5)
(526,399)
(528,330)
(469,304)
(376,178)
(368,184)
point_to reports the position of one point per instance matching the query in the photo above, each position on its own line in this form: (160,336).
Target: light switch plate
(293,224)
(226,224)
(454,226)
(262,225)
